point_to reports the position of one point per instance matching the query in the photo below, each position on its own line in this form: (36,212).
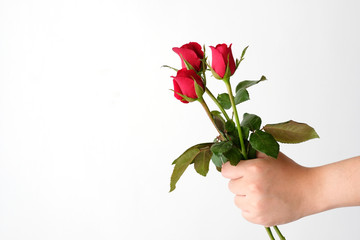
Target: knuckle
(262,220)
(247,216)
(258,206)
(224,171)
(256,219)
(254,188)
(231,185)
(256,168)
(237,202)
(250,217)
(227,171)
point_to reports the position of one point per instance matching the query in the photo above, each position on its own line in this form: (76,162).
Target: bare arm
(277,191)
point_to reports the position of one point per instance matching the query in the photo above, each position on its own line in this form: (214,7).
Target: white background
(88,127)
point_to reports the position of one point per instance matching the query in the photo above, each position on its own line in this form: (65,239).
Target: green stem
(279,233)
(268,230)
(207,110)
(217,103)
(231,96)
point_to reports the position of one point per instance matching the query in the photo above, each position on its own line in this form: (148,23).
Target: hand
(269,191)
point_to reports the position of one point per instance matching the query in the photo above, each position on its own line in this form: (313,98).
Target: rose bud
(223,64)
(192,54)
(188,86)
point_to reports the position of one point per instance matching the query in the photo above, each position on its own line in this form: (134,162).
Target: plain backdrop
(89,128)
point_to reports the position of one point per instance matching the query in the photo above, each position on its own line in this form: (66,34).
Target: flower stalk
(208,112)
(236,115)
(268,230)
(217,104)
(210,93)
(279,233)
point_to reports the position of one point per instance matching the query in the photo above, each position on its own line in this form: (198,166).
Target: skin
(277,191)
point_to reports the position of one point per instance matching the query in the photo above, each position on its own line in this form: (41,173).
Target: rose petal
(190,56)
(191,74)
(187,86)
(223,49)
(196,48)
(231,61)
(177,89)
(218,63)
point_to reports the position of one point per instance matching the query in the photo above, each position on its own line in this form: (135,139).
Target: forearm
(334,185)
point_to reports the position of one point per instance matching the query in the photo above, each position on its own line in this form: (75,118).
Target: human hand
(269,191)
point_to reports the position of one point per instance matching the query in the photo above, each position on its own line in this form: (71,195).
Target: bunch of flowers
(236,140)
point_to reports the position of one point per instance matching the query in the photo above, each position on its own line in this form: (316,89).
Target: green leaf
(251,121)
(219,121)
(185,97)
(243,53)
(241,96)
(213,72)
(201,162)
(185,159)
(221,147)
(166,66)
(233,137)
(241,58)
(198,89)
(245,132)
(248,83)
(234,155)
(264,142)
(187,64)
(291,132)
(251,152)
(215,113)
(227,71)
(230,126)
(224,100)
(218,160)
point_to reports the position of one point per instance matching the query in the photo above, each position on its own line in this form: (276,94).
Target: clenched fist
(276,191)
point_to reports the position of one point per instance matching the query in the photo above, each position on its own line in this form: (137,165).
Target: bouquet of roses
(236,140)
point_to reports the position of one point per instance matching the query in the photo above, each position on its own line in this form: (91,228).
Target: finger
(248,216)
(237,186)
(240,202)
(247,212)
(232,172)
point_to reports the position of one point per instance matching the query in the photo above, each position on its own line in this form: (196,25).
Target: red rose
(221,58)
(192,53)
(184,84)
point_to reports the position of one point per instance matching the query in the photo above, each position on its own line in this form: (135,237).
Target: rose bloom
(192,53)
(221,57)
(184,84)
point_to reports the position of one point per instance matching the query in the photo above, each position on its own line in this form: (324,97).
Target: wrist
(314,192)
(321,193)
